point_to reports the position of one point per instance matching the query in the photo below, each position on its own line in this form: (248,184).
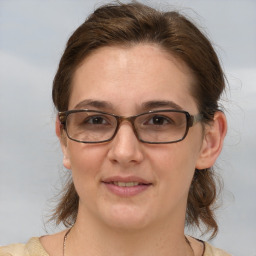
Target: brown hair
(133,23)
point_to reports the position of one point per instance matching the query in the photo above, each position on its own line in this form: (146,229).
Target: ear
(63,142)
(214,135)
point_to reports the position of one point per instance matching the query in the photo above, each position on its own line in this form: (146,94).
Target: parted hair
(119,24)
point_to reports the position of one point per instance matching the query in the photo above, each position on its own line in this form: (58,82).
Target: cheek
(175,163)
(85,161)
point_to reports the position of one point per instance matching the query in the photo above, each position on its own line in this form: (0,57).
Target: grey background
(32,37)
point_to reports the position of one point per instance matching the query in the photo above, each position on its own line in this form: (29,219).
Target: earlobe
(66,162)
(58,130)
(213,140)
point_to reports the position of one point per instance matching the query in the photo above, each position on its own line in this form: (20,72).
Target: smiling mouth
(126,184)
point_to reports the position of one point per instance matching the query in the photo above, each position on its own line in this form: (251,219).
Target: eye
(96,120)
(160,120)
(91,120)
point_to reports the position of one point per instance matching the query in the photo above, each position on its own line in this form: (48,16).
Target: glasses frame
(190,119)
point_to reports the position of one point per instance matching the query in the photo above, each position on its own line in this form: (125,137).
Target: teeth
(126,184)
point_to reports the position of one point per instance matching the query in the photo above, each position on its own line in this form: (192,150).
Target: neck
(91,238)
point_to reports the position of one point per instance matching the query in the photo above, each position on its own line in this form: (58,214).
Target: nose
(125,148)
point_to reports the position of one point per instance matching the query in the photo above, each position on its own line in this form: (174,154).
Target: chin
(127,218)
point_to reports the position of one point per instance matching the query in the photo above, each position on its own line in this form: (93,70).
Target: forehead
(132,75)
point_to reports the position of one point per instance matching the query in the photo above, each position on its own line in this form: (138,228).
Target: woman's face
(122,81)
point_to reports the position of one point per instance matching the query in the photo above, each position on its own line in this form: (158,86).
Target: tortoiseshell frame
(191,120)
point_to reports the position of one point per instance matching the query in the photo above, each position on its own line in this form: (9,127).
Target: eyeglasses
(153,127)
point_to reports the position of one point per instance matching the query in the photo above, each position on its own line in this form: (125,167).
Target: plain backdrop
(32,38)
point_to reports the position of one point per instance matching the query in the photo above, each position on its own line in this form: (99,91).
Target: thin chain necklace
(187,241)
(66,235)
(64,241)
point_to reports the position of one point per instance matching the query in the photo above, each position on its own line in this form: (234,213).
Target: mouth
(127,184)
(126,187)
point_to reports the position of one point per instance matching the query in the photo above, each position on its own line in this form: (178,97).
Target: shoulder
(212,251)
(13,250)
(31,248)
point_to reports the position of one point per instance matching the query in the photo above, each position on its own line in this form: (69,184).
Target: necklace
(187,241)
(66,235)
(64,241)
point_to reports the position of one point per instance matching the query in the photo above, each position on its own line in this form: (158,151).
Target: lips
(126,181)
(126,186)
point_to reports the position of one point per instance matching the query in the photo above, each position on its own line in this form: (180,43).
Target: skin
(109,224)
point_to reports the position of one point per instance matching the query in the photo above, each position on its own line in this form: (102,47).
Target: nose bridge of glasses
(129,119)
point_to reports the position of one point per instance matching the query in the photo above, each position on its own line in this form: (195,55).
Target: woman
(140,128)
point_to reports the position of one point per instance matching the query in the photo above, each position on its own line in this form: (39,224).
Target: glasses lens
(90,126)
(161,127)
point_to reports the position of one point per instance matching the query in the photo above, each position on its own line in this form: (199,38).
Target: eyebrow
(146,106)
(149,105)
(93,103)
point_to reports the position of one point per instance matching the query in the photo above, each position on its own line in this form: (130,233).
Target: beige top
(35,248)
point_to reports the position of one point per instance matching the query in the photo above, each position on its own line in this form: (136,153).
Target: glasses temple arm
(197,118)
